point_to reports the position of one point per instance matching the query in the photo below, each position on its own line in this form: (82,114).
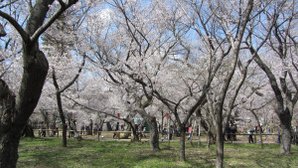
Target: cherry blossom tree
(123,36)
(17,108)
(280,52)
(222,27)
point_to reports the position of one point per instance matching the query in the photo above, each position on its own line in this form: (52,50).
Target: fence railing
(101,135)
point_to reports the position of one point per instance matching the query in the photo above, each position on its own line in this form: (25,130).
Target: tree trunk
(12,124)
(62,117)
(35,69)
(282,110)
(47,122)
(219,149)
(64,135)
(286,129)
(162,120)
(9,136)
(182,143)
(134,133)
(154,134)
(259,125)
(211,139)
(28,131)
(219,141)
(9,149)
(14,116)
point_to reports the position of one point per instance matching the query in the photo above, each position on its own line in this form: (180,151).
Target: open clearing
(48,153)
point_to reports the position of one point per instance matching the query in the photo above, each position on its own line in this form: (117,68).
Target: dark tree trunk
(35,69)
(132,128)
(45,116)
(154,134)
(28,131)
(14,119)
(259,125)
(211,139)
(286,135)
(182,143)
(9,149)
(162,121)
(219,148)
(59,91)
(62,117)
(219,141)
(64,135)
(134,132)
(9,138)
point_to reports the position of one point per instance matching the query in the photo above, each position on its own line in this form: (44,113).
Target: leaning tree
(276,28)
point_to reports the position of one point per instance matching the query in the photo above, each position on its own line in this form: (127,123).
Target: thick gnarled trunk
(35,69)
(15,115)
(9,139)
(286,135)
(9,149)
(154,134)
(286,140)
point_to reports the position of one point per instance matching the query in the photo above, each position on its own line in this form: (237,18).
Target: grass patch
(48,153)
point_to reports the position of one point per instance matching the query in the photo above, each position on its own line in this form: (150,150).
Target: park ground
(48,153)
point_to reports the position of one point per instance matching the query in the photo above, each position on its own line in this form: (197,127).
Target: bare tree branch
(16,25)
(45,26)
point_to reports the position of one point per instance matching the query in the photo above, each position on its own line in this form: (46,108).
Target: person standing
(250,135)
(117,127)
